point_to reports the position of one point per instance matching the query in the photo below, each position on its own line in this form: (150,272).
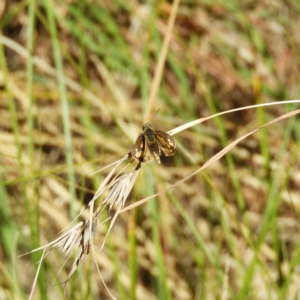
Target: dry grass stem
(162,59)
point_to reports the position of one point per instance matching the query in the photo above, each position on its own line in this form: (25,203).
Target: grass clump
(71,74)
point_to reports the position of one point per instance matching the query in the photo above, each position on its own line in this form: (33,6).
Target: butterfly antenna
(155,114)
(127,121)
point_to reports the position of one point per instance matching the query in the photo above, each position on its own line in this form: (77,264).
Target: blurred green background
(73,72)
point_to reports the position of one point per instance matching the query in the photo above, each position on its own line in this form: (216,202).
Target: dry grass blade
(198,121)
(116,163)
(36,275)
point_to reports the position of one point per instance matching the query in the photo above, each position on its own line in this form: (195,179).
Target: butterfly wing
(166,143)
(140,150)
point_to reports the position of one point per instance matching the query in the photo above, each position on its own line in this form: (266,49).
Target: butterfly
(151,143)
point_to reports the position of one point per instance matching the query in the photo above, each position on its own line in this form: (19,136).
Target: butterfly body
(150,144)
(149,133)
